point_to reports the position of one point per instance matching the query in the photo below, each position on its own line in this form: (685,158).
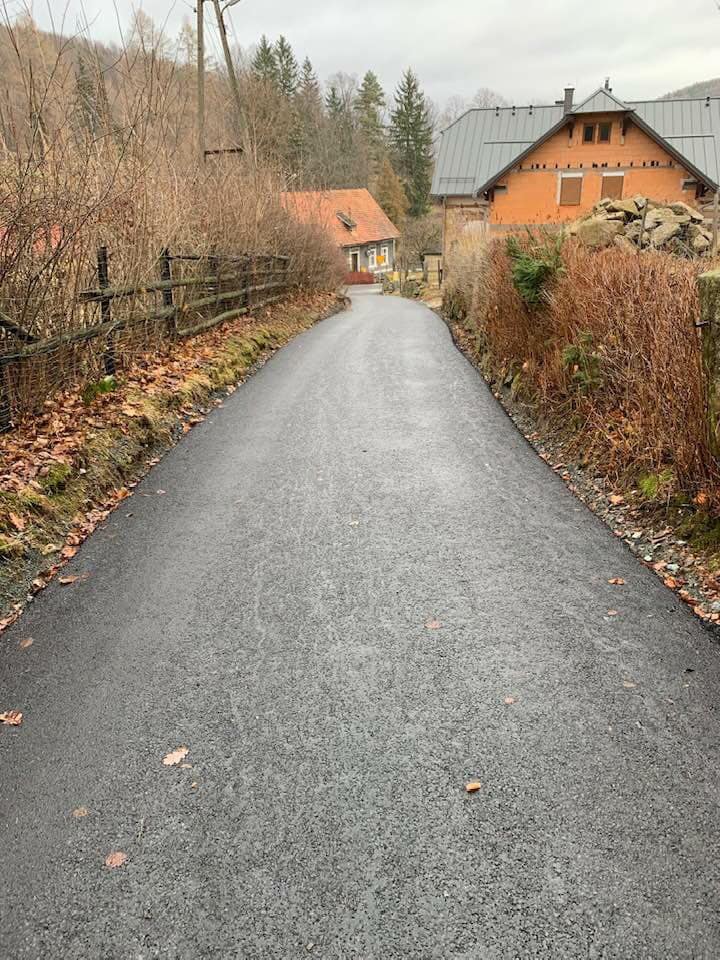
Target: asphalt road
(268,611)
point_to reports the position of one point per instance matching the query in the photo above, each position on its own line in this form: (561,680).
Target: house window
(612,185)
(570,189)
(589,133)
(385,256)
(372,257)
(604,132)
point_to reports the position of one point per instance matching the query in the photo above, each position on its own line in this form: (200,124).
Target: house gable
(565,175)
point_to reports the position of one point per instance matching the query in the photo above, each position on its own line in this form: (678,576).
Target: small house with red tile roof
(356,222)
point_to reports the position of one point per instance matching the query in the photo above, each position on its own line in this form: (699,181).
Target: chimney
(568,101)
(607,85)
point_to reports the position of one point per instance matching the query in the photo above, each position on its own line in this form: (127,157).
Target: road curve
(269,612)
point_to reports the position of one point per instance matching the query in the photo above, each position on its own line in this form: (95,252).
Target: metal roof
(482,144)
(602,101)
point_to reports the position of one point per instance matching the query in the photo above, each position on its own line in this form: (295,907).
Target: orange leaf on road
(617,582)
(473,787)
(433,625)
(115,859)
(11,718)
(176,757)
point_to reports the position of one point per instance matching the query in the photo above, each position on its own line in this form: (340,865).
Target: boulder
(613,215)
(666,215)
(632,230)
(685,208)
(624,243)
(700,243)
(598,232)
(640,202)
(696,230)
(628,207)
(664,232)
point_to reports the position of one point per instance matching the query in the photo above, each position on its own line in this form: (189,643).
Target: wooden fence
(192,293)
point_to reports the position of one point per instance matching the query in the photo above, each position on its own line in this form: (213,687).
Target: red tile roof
(358,206)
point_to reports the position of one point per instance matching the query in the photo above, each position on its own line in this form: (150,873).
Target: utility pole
(229,64)
(201,81)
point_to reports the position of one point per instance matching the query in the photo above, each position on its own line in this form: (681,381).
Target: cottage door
(355,261)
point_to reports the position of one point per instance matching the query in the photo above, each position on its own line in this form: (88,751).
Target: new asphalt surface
(268,611)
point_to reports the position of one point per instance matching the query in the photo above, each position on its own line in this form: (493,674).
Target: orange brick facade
(533,188)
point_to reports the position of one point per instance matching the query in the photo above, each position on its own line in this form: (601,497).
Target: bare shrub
(612,355)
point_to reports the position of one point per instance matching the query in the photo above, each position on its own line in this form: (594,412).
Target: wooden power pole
(201,80)
(230,66)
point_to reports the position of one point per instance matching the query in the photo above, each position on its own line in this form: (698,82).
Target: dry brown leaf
(616,499)
(66,581)
(617,581)
(67,553)
(433,624)
(671,582)
(176,757)
(473,787)
(11,718)
(509,701)
(629,685)
(17,521)
(612,613)
(115,859)
(25,643)
(80,812)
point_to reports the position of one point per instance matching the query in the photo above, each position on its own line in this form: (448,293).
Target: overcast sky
(527,50)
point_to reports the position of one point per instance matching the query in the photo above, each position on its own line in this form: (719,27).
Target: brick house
(356,222)
(503,168)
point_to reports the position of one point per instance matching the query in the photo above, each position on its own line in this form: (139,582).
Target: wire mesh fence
(112,325)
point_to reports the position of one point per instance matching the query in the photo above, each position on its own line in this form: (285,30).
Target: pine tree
(333,103)
(411,138)
(264,64)
(369,106)
(287,68)
(308,90)
(390,193)
(86,99)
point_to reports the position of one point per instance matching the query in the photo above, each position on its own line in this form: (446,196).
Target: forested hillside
(704,88)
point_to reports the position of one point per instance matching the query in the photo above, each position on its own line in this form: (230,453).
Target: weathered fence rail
(196,292)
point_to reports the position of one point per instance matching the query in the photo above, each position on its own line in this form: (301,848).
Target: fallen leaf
(80,812)
(671,582)
(473,787)
(616,499)
(25,643)
(617,582)
(67,553)
(612,613)
(161,492)
(629,685)
(48,549)
(433,625)
(17,522)
(11,718)
(186,766)
(115,859)
(176,757)
(66,581)
(509,701)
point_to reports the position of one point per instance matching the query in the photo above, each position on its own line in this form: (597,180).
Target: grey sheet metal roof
(483,143)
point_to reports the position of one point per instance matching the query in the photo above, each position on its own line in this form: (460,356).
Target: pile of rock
(675,227)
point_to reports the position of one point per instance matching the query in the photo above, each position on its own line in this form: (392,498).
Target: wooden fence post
(167,294)
(5,408)
(709,289)
(103,283)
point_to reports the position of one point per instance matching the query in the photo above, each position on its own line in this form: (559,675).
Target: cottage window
(604,132)
(372,257)
(589,133)
(570,189)
(385,256)
(612,185)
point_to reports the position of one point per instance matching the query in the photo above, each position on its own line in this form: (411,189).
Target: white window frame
(351,254)
(569,174)
(372,258)
(385,254)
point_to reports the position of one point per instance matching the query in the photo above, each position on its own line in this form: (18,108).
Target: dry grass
(611,356)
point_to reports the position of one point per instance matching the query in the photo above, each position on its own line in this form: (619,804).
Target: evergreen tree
(411,138)
(369,106)
(287,68)
(390,193)
(333,103)
(264,64)
(308,90)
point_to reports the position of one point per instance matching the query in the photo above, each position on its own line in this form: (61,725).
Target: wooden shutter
(570,191)
(612,186)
